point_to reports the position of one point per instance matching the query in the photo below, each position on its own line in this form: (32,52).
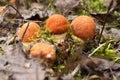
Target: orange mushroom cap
(43,50)
(33,32)
(57,24)
(83,27)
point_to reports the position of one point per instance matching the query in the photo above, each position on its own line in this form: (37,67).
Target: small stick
(75,70)
(15,10)
(104,22)
(25,31)
(96,49)
(27,20)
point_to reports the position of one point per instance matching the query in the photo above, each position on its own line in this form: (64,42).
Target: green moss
(107,52)
(92,6)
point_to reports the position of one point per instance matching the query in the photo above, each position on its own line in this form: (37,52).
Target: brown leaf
(34,14)
(65,5)
(100,67)
(12,66)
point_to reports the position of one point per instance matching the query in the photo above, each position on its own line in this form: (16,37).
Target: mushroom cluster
(82,27)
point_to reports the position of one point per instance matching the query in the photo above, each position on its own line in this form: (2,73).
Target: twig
(104,22)
(75,70)
(96,49)
(15,10)
(26,20)
(67,66)
(25,31)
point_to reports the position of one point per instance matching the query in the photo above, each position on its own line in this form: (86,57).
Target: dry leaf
(65,5)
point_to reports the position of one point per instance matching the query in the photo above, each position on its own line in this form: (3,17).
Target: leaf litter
(15,66)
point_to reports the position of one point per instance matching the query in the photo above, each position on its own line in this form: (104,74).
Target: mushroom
(83,27)
(32,33)
(57,24)
(44,50)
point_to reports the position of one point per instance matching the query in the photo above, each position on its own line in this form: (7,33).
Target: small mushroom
(32,33)
(83,27)
(44,50)
(57,24)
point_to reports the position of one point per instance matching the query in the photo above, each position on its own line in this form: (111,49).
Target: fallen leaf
(66,5)
(12,66)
